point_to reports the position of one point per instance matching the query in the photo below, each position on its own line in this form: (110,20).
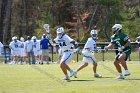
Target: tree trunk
(7,22)
(1,31)
(2,14)
(91,21)
(24,24)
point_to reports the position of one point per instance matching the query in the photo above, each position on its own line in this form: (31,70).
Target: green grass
(48,79)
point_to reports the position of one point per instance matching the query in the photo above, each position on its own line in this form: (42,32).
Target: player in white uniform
(22,50)
(66,44)
(88,54)
(36,48)
(14,46)
(1,47)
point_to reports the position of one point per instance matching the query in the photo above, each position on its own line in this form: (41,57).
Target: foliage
(28,17)
(108,2)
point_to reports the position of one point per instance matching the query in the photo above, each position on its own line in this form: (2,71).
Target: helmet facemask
(93,34)
(116,28)
(60,32)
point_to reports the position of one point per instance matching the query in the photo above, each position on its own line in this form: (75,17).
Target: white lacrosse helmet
(116,27)
(94,33)
(34,37)
(60,32)
(138,37)
(22,39)
(14,38)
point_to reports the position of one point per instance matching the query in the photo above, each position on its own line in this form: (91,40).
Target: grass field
(48,79)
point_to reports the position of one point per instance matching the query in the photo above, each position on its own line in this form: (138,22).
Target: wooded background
(78,17)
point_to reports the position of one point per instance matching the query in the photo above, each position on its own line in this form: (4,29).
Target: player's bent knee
(62,65)
(95,64)
(86,64)
(116,62)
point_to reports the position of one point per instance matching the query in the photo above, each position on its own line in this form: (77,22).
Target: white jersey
(22,49)
(15,48)
(89,46)
(36,47)
(29,45)
(64,42)
(14,45)
(1,46)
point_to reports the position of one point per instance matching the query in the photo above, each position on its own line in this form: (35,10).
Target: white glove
(106,48)
(121,48)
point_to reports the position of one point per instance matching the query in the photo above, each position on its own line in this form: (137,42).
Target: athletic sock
(126,71)
(120,74)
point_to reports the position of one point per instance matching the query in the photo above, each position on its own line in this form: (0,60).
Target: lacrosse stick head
(46,27)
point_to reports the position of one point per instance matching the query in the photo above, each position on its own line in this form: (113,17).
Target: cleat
(120,77)
(73,74)
(127,74)
(97,75)
(66,78)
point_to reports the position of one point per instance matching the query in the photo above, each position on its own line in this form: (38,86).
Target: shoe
(66,78)
(73,74)
(41,63)
(120,77)
(127,74)
(97,75)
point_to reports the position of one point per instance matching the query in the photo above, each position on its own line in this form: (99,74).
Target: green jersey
(120,40)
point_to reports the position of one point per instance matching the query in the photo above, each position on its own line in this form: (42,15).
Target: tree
(7,22)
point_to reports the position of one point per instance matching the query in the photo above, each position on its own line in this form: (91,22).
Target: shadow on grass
(133,79)
(107,77)
(81,80)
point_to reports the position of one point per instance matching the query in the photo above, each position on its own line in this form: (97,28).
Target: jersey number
(62,44)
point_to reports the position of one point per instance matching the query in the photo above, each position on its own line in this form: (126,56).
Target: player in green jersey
(121,42)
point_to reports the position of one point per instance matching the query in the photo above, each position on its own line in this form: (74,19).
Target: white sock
(126,71)
(71,70)
(66,75)
(120,74)
(76,71)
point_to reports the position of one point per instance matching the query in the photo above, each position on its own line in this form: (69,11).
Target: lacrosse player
(14,46)
(138,40)
(22,50)
(88,54)
(36,48)
(120,41)
(66,45)
(29,49)
(1,47)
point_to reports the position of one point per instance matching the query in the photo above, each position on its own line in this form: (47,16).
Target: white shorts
(15,53)
(89,60)
(88,57)
(36,53)
(22,53)
(66,57)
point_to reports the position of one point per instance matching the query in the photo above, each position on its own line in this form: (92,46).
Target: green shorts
(127,53)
